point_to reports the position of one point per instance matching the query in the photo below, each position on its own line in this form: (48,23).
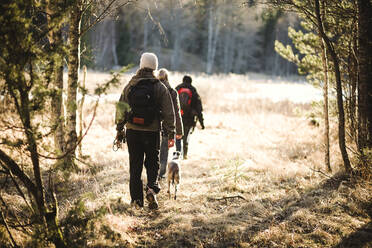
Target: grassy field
(250,180)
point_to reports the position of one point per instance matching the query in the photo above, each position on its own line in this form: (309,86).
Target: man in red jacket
(191,108)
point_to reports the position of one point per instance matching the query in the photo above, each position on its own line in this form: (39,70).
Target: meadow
(255,177)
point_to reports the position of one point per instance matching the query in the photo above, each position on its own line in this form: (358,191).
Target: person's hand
(120,138)
(118,143)
(170,143)
(117,139)
(178,136)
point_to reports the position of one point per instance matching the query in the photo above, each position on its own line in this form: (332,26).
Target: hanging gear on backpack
(141,99)
(185,96)
(119,140)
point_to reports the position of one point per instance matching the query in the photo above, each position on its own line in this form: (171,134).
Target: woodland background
(200,36)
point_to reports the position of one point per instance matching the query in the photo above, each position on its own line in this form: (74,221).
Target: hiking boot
(137,204)
(151,197)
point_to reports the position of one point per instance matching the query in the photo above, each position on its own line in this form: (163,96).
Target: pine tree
(326,27)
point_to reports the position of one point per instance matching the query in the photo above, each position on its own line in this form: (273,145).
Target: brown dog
(174,173)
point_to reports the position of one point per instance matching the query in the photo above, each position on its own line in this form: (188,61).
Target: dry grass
(257,144)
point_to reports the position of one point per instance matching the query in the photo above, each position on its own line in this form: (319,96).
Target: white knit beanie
(149,60)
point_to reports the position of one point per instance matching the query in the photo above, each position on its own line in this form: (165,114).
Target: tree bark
(210,38)
(352,71)
(325,108)
(72,84)
(113,42)
(81,108)
(215,40)
(340,106)
(145,34)
(365,74)
(56,78)
(325,97)
(213,35)
(57,102)
(178,35)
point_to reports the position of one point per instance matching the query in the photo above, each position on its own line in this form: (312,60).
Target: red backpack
(185,96)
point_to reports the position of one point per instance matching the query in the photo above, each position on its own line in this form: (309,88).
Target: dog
(174,173)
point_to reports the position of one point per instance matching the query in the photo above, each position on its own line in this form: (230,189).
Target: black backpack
(142,102)
(185,96)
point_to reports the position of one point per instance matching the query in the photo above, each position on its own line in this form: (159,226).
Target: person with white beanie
(145,106)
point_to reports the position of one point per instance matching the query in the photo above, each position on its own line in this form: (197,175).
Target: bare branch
(227,197)
(321,172)
(105,13)
(13,215)
(79,140)
(15,168)
(21,192)
(158,24)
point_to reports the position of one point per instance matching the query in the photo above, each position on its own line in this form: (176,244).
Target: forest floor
(254,177)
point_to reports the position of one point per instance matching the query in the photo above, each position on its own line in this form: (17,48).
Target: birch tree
(78,9)
(56,75)
(72,82)
(214,19)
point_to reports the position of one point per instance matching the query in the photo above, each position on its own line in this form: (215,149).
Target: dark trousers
(187,129)
(143,148)
(163,155)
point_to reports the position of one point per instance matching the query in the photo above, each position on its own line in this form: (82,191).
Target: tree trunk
(113,42)
(229,36)
(214,44)
(325,98)
(72,84)
(56,79)
(365,74)
(210,39)
(57,103)
(238,52)
(178,35)
(352,69)
(325,108)
(340,106)
(145,34)
(213,35)
(81,108)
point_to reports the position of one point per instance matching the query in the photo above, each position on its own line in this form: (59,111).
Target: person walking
(163,77)
(191,108)
(139,108)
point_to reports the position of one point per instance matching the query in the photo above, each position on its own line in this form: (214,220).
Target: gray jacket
(176,107)
(162,97)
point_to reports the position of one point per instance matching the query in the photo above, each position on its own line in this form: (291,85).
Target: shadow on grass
(360,238)
(239,226)
(303,225)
